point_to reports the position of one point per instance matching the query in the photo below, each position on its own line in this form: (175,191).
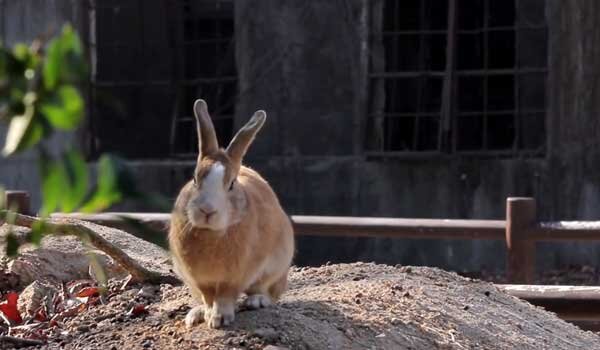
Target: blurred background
(386,108)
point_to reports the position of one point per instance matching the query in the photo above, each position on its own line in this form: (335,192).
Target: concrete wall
(301,62)
(304,63)
(311,85)
(23,21)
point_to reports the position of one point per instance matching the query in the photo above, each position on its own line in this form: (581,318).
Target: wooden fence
(520,230)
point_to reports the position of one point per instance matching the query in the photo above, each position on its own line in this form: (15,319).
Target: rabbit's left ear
(207,138)
(241,141)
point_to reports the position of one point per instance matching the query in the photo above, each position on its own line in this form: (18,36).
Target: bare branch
(19,342)
(71,227)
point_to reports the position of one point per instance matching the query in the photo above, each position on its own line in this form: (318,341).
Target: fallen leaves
(9,309)
(88,292)
(49,306)
(137,310)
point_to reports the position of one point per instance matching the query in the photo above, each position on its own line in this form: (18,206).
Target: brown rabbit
(229,234)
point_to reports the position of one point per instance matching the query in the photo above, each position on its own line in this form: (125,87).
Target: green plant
(39,96)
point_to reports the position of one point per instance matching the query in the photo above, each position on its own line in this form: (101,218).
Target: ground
(350,306)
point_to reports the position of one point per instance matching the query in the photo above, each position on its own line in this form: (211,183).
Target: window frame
(177,80)
(448,129)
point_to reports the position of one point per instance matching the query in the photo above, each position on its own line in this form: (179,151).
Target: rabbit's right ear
(207,138)
(244,137)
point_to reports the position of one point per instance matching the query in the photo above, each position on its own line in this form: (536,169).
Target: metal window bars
(150,60)
(457,76)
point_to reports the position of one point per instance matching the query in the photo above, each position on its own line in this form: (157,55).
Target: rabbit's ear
(242,140)
(207,138)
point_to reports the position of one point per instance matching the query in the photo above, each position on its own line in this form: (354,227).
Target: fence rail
(520,230)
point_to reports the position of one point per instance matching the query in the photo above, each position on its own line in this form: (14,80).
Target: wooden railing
(520,230)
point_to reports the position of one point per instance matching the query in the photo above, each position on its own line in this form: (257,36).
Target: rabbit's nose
(208,212)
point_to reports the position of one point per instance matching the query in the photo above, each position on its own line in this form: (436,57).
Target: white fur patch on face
(214,180)
(209,208)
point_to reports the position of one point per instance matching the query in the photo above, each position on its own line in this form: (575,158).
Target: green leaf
(64,108)
(28,59)
(54,184)
(37,232)
(12,245)
(52,65)
(77,173)
(107,191)
(24,131)
(64,59)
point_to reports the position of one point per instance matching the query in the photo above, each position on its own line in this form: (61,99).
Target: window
(150,60)
(457,76)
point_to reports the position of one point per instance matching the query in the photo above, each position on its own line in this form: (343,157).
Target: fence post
(520,259)
(18,201)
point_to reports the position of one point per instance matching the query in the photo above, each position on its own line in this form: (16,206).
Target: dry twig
(87,235)
(19,342)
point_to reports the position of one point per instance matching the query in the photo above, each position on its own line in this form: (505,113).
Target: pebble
(395,321)
(267,334)
(397,287)
(273,347)
(147,292)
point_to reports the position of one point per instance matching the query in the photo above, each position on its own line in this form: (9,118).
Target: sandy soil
(352,306)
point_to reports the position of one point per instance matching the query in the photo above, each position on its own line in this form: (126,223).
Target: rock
(267,334)
(84,328)
(35,295)
(147,292)
(406,269)
(273,347)
(9,280)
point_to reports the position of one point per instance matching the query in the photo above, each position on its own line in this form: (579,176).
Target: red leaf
(41,315)
(88,292)
(95,300)
(9,308)
(137,310)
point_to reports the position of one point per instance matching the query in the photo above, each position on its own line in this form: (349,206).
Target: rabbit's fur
(229,235)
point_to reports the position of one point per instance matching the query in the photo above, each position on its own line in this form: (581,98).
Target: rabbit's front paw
(257,301)
(221,316)
(195,316)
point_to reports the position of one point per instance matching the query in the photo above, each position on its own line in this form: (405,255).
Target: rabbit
(229,234)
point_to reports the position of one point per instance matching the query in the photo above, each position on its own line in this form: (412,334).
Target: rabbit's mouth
(213,221)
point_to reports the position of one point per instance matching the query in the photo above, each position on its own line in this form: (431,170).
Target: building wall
(304,63)
(309,149)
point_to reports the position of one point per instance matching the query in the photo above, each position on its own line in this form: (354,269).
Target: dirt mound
(354,306)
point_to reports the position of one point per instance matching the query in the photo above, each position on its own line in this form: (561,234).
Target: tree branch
(87,235)
(19,342)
